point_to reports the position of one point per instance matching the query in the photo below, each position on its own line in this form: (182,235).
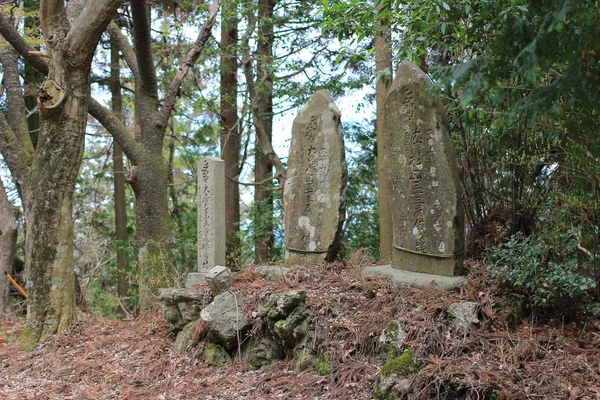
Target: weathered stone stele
(426,207)
(314,195)
(211,216)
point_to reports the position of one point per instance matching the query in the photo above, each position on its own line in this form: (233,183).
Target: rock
(314,195)
(264,353)
(271,272)
(183,338)
(225,319)
(285,318)
(426,205)
(181,306)
(464,315)
(305,356)
(391,340)
(219,279)
(193,278)
(393,381)
(215,355)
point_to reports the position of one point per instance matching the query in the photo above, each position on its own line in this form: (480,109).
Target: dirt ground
(101,358)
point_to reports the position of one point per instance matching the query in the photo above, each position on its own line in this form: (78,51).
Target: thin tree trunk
(8,246)
(383,61)
(230,133)
(263,168)
(119,180)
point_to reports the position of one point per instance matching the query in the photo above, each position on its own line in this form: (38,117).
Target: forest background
(520,80)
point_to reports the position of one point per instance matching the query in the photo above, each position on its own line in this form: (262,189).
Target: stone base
(407,261)
(271,272)
(194,278)
(415,279)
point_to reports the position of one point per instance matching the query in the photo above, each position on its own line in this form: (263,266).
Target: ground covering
(102,358)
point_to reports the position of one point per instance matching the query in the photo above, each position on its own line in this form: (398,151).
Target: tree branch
(189,60)
(20,45)
(261,133)
(83,36)
(117,129)
(53,18)
(260,183)
(124,47)
(146,84)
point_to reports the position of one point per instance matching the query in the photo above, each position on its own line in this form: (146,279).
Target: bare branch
(124,47)
(261,133)
(117,129)
(260,183)
(88,27)
(146,84)
(189,60)
(20,45)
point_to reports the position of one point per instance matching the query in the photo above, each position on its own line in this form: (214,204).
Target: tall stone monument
(314,195)
(211,217)
(426,205)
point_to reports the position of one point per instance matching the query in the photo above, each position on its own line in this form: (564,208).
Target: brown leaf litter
(101,358)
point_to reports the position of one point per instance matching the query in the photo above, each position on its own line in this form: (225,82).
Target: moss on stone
(403,365)
(215,355)
(323,367)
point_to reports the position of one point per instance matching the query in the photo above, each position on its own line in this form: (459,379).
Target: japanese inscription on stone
(315,188)
(427,213)
(211,214)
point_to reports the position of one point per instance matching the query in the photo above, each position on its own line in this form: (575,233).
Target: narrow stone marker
(211,217)
(426,204)
(314,195)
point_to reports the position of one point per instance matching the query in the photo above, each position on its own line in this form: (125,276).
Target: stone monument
(426,205)
(314,195)
(211,217)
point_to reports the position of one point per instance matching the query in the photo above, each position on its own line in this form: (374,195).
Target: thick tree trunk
(154,237)
(263,168)
(49,239)
(119,180)
(383,61)
(230,132)
(8,246)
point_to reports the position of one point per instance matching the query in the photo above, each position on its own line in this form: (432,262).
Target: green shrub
(545,268)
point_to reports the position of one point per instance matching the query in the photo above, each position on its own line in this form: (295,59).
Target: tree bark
(119,180)
(230,132)
(50,183)
(383,61)
(8,246)
(263,114)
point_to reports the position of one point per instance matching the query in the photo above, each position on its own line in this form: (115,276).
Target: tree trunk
(8,246)
(383,61)
(119,180)
(49,239)
(154,237)
(230,132)
(263,168)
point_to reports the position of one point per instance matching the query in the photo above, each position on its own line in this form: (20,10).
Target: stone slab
(193,278)
(414,279)
(426,205)
(211,214)
(271,272)
(219,279)
(314,195)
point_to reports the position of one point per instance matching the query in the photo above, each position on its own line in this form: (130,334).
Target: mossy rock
(215,355)
(392,381)
(403,365)
(263,353)
(305,357)
(324,367)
